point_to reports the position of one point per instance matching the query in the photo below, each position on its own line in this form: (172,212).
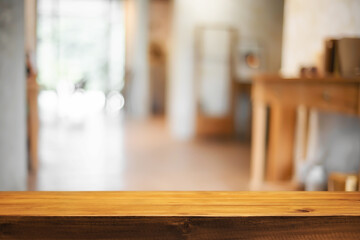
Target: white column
(12,96)
(137,59)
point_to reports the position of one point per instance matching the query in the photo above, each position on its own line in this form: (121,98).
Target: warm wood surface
(281,143)
(332,94)
(104,204)
(179,215)
(341,97)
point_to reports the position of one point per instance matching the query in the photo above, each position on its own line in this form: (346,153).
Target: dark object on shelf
(308,72)
(330,53)
(342,57)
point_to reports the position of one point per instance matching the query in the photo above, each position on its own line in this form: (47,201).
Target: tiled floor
(107,152)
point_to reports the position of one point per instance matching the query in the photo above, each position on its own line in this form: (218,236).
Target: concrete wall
(12,96)
(254,19)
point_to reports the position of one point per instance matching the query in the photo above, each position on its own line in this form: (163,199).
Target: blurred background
(179,95)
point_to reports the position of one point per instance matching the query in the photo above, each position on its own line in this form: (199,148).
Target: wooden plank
(336,94)
(179,204)
(337,97)
(180,228)
(281,143)
(179,215)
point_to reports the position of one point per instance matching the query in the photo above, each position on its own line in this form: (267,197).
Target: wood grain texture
(180,228)
(281,143)
(179,215)
(179,204)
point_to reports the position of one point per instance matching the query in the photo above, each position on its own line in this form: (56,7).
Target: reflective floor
(103,151)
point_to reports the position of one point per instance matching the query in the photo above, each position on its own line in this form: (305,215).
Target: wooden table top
(44,204)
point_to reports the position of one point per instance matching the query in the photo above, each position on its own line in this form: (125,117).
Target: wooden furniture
(32,121)
(286,98)
(179,215)
(343,182)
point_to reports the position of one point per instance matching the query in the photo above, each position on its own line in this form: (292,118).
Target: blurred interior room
(130,95)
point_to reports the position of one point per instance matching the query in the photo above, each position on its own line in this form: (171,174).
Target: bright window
(81,41)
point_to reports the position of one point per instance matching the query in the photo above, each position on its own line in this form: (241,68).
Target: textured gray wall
(12,96)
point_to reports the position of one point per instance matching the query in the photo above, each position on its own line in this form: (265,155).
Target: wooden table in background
(179,215)
(288,101)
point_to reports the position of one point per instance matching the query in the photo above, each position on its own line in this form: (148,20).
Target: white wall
(307,23)
(12,96)
(137,57)
(258,19)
